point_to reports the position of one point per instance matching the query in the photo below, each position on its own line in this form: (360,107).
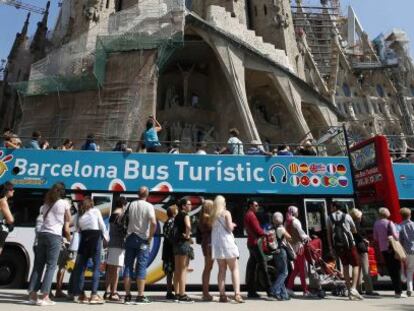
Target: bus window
(103,202)
(345,204)
(25,206)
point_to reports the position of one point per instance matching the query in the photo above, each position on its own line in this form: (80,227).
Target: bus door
(316,214)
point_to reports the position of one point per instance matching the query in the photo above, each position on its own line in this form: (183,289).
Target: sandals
(223,298)
(207,297)
(238,298)
(114,297)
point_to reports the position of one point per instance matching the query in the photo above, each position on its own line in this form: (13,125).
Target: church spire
(38,45)
(20,38)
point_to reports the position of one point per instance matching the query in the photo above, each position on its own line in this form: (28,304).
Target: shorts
(116,256)
(63,257)
(3,236)
(136,250)
(350,258)
(184,249)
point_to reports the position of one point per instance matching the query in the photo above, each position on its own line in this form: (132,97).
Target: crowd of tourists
(132,227)
(151,143)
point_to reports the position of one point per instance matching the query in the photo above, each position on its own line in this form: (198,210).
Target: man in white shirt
(141,228)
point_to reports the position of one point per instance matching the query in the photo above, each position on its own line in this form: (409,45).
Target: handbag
(362,247)
(74,243)
(395,246)
(290,253)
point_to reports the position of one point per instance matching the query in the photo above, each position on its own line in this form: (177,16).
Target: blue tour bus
(311,183)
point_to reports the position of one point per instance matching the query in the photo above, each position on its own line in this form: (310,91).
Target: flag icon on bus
(331,168)
(295,181)
(341,169)
(293,168)
(304,168)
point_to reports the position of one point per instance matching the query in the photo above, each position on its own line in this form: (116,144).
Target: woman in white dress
(224,248)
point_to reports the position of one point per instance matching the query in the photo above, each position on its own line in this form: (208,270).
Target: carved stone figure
(186,136)
(186,77)
(91,10)
(282,18)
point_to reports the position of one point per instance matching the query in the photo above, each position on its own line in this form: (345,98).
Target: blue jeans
(46,255)
(81,264)
(136,248)
(278,288)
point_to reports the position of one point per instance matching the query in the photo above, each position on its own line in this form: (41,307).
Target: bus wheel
(12,269)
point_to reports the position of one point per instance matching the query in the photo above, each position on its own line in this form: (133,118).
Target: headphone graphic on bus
(272,175)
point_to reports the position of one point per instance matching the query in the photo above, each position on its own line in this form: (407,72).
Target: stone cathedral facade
(278,70)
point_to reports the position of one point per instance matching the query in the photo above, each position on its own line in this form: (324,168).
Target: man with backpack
(341,242)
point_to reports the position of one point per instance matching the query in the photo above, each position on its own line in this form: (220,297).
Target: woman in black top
(116,251)
(362,244)
(168,252)
(183,251)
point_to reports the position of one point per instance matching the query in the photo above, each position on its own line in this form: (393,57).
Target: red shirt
(253,229)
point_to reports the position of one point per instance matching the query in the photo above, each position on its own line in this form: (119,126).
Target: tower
(237,8)
(272,20)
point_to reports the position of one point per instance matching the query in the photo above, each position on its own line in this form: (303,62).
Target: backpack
(341,236)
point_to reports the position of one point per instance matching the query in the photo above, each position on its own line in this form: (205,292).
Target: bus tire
(13,268)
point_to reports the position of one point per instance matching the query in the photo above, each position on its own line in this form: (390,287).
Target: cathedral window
(346,89)
(380,90)
(265,9)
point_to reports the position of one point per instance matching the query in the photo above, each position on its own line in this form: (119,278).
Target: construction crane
(25,6)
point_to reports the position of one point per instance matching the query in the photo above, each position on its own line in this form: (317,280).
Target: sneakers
(60,295)
(408,293)
(354,295)
(45,303)
(185,299)
(96,300)
(142,300)
(290,292)
(372,293)
(253,295)
(170,296)
(127,299)
(401,295)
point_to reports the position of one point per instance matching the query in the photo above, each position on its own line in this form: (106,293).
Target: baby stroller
(323,274)
(268,248)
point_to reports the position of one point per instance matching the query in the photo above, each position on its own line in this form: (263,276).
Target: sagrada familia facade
(278,70)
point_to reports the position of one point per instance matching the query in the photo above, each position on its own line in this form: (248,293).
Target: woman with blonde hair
(204,227)
(224,248)
(362,243)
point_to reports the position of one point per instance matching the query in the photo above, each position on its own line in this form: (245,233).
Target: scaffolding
(80,65)
(320,23)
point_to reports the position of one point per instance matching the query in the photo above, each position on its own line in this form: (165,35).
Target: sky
(376,16)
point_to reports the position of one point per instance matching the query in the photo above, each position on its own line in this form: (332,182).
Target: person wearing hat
(257,149)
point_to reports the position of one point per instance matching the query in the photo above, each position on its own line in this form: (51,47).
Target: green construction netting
(76,67)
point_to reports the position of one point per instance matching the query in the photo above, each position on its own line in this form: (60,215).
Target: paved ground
(11,300)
